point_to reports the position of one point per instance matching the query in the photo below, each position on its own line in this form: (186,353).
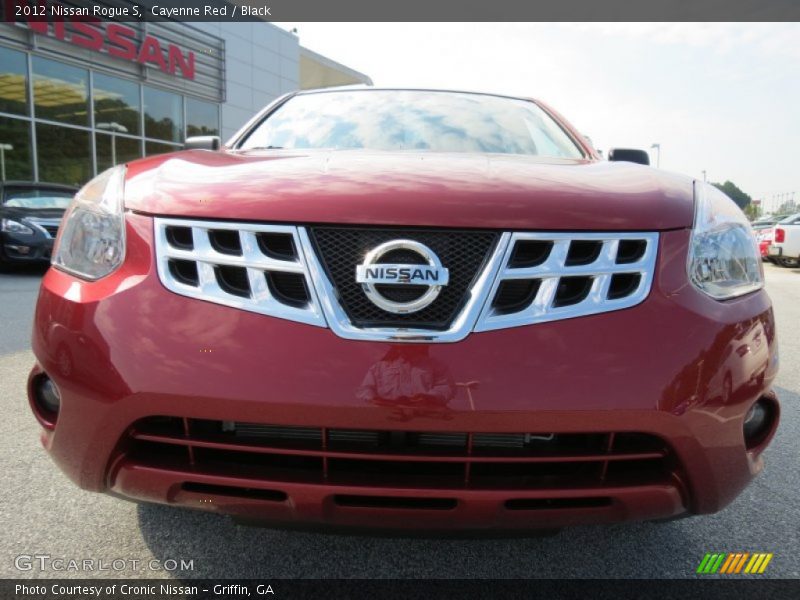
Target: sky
(721,98)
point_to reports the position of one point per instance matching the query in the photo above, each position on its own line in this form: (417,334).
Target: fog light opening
(758,423)
(47,397)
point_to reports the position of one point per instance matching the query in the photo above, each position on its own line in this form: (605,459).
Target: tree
(734,193)
(753,211)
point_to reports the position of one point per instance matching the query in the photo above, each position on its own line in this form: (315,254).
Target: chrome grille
(551,276)
(238,265)
(526,277)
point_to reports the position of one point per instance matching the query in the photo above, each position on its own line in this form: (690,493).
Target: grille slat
(623,284)
(572,290)
(180,237)
(289,288)
(233,280)
(280,246)
(529,253)
(583,252)
(236,446)
(184,271)
(383,458)
(225,241)
(515,295)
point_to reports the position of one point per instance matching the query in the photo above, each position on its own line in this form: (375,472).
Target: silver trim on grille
(460,328)
(478,314)
(256,262)
(551,271)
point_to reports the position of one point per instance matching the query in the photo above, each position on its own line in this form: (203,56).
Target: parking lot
(41,513)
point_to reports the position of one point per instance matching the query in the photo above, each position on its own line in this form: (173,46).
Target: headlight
(10,226)
(724,260)
(92,240)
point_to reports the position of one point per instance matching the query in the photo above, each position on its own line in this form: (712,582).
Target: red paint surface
(442,190)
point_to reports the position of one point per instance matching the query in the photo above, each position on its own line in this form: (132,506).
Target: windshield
(412,120)
(790,219)
(37,198)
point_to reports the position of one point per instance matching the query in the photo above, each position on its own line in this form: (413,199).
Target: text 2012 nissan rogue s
(406,309)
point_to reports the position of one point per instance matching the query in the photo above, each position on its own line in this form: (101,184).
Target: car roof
(38,184)
(370,88)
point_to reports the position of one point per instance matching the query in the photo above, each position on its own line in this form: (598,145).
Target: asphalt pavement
(43,514)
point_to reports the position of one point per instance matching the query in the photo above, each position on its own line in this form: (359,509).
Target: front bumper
(679,368)
(35,248)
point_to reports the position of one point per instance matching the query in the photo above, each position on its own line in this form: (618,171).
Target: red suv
(406,309)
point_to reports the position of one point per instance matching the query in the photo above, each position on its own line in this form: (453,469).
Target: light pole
(704,175)
(114,128)
(657,146)
(3,149)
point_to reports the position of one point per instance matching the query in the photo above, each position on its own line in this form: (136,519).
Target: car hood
(16,212)
(421,189)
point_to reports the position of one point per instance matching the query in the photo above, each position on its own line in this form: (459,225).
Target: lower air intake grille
(447,460)
(464,253)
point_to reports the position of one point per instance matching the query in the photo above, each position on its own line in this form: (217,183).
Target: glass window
(15,136)
(13,82)
(115,150)
(116,103)
(163,115)
(202,118)
(24,197)
(151,148)
(60,92)
(411,120)
(64,154)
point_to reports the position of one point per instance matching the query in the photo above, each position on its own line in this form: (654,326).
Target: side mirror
(203,142)
(629,155)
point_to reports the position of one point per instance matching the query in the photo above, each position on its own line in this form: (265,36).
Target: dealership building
(76,97)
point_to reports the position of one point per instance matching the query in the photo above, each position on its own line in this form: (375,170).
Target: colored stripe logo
(734,563)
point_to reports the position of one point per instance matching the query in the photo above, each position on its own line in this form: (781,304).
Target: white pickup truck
(785,246)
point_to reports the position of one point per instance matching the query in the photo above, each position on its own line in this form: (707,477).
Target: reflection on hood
(408,376)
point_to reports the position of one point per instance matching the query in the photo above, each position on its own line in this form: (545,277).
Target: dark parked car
(30,214)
